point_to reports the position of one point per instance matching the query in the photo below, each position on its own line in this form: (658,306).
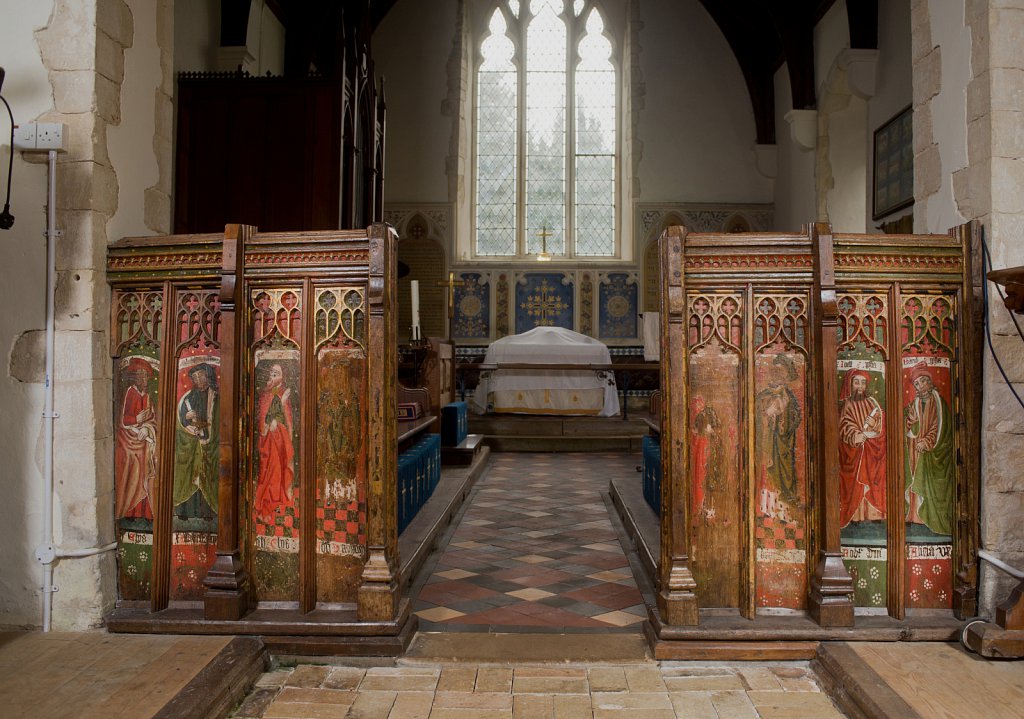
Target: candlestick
(415,290)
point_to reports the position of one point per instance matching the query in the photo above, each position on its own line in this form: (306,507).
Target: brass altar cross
(543,256)
(451,284)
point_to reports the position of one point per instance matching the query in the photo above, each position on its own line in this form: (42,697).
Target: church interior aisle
(536,550)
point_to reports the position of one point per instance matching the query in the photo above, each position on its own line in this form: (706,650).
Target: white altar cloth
(547,391)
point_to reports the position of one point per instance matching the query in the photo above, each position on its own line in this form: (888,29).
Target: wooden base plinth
(830,602)
(335,623)
(227,589)
(725,650)
(991,640)
(678,608)
(378,601)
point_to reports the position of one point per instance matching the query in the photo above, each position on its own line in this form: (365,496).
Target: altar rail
(254,381)
(820,423)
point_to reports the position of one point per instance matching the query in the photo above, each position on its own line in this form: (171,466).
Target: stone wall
(968,164)
(81,46)
(993,188)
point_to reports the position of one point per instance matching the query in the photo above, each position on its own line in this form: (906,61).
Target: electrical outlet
(40,136)
(50,136)
(25,137)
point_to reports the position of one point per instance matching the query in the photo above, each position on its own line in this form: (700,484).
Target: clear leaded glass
(554,147)
(594,209)
(545,126)
(496,143)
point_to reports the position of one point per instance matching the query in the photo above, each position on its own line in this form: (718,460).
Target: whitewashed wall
(23,262)
(894,84)
(68,65)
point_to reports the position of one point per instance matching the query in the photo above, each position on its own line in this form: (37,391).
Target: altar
(525,390)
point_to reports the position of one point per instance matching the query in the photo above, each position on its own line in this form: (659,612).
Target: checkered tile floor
(535,549)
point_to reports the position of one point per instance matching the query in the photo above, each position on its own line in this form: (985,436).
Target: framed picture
(893,186)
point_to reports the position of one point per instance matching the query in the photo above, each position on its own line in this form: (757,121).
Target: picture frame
(893,177)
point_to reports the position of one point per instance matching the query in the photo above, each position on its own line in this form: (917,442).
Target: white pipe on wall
(48,413)
(46,553)
(997,562)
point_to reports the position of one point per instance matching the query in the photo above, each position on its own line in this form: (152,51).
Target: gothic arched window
(547,137)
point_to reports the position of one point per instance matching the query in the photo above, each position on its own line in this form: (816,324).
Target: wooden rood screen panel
(249,466)
(819,443)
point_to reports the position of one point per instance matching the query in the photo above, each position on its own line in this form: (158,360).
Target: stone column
(987,184)
(82,47)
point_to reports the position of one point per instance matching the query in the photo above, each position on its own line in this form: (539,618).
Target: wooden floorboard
(97,675)
(855,687)
(943,681)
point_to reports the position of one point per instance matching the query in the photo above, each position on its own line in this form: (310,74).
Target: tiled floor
(609,691)
(535,549)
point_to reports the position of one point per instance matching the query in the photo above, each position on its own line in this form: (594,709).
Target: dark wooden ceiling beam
(750,47)
(862,16)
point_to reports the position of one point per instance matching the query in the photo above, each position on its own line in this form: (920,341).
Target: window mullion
(522,243)
(570,140)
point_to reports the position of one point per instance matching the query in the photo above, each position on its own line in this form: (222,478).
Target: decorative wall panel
(863,444)
(780,450)
(138,318)
(927,340)
(617,306)
(473,307)
(715,341)
(276,512)
(196,443)
(544,299)
(340,512)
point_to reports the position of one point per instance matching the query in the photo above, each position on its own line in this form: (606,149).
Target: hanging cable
(986,264)
(6,218)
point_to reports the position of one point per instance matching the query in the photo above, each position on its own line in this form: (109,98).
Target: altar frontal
(547,391)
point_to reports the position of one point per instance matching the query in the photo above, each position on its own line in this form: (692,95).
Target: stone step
(565,443)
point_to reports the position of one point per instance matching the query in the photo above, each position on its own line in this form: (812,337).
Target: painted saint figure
(861,451)
(708,456)
(197,450)
(780,417)
(929,456)
(135,452)
(277,451)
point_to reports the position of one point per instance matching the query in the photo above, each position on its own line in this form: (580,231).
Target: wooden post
(227,583)
(379,591)
(971,329)
(831,592)
(162,496)
(307,450)
(677,603)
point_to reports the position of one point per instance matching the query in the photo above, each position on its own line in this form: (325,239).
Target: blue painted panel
(544,301)
(617,311)
(472,308)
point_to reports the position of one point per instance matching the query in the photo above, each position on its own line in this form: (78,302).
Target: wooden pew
(264,478)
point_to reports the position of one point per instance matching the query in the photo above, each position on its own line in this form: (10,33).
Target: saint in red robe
(861,453)
(135,455)
(277,452)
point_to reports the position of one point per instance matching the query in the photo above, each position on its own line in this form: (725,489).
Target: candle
(415,287)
